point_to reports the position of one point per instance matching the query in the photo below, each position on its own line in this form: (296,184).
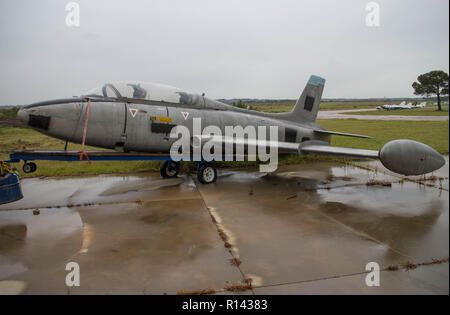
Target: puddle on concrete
(396,199)
(12,287)
(39,193)
(9,269)
(15,232)
(442,172)
(61,221)
(142,185)
(37,242)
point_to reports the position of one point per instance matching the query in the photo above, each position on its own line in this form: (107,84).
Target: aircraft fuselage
(146,127)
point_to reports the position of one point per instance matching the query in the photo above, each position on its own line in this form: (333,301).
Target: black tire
(207,173)
(169,169)
(33,166)
(29,168)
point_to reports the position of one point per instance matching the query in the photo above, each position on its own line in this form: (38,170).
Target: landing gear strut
(29,167)
(169,169)
(206,173)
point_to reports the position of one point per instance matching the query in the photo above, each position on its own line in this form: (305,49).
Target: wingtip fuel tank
(408,157)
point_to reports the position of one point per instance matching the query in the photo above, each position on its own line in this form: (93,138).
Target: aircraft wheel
(207,173)
(29,167)
(169,169)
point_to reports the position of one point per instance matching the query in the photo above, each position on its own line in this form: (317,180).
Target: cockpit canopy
(144,91)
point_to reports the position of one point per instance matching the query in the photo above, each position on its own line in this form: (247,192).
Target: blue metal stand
(74,156)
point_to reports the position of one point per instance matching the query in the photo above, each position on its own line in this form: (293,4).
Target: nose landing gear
(29,167)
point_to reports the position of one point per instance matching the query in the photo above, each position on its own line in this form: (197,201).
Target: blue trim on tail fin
(316,80)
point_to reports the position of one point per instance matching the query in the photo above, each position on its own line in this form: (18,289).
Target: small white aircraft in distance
(402,105)
(389,107)
(421,105)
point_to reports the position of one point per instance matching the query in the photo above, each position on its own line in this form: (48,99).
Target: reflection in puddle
(396,199)
(8,269)
(12,236)
(12,287)
(142,185)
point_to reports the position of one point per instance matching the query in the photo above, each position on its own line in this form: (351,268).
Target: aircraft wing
(315,147)
(338,151)
(402,156)
(283,147)
(308,147)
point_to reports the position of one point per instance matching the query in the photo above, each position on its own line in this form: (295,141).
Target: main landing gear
(169,169)
(206,172)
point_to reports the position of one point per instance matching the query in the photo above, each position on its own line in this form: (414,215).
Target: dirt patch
(379,183)
(198,292)
(411,266)
(240,287)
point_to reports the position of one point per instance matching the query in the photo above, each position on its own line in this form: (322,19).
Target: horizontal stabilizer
(341,134)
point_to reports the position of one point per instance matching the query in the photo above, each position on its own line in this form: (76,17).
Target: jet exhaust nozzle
(408,157)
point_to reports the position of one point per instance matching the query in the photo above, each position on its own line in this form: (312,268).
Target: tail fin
(307,106)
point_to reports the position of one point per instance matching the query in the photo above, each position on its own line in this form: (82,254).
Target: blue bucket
(10,188)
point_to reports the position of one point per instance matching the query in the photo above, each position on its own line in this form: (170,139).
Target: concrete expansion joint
(234,260)
(71,205)
(406,266)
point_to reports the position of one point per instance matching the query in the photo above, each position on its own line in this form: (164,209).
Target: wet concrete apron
(308,228)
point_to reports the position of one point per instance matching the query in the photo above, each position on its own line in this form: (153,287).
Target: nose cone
(23,115)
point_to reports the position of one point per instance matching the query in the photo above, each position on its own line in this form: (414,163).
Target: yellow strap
(5,168)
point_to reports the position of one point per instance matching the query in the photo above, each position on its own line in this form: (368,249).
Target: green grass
(427,111)
(433,133)
(9,112)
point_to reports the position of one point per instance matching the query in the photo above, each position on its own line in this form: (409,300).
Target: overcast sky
(227,48)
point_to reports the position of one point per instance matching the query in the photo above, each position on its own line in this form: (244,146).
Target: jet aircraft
(139,117)
(402,105)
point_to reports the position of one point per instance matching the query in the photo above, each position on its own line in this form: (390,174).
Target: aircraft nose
(23,115)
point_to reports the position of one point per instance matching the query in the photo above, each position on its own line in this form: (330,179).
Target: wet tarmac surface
(307,229)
